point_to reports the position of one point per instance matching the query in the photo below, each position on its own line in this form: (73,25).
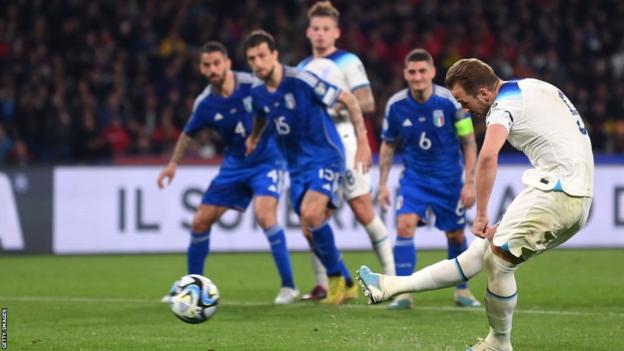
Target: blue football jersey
(297,114)
(232,118)
(432,152)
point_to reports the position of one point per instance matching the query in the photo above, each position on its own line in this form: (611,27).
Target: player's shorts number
(424,142)
(282,127)
(349,177)
(327,174)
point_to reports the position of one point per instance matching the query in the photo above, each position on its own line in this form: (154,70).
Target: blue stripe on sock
(489,292)
(460,270)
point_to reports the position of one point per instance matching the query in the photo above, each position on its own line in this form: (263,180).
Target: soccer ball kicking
(194,298)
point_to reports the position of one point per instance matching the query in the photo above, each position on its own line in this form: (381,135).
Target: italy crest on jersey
(289,100)
(438,118)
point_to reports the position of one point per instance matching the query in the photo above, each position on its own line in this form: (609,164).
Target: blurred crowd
(92,81)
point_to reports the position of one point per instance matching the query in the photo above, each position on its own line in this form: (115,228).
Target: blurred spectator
(86,81)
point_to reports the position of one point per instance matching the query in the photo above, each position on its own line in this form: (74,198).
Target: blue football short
(323,179)
(235,187)
(442,201)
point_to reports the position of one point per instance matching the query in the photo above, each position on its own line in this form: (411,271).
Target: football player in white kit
(345,70)
(539,120)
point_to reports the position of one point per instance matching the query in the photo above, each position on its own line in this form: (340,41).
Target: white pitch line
(122,300)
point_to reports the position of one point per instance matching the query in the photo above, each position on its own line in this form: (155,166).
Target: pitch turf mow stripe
(121,300)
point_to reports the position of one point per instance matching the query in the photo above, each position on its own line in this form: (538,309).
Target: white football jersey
(543,124)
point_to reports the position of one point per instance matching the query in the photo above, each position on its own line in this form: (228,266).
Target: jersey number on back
(574,111)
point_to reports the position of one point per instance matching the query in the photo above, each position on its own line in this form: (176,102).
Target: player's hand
(250,145)
(167,173)
(480,226)
(467,196)
(383,197)
(363,157)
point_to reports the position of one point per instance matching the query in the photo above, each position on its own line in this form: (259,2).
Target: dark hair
(324,9)
(258,37)
(213,46)
(419,54)
(471,74)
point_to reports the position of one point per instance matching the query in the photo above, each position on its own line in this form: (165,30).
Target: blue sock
(277,240)
(345,273)
(326,248)
(404,256)
(455,250)
(197,252)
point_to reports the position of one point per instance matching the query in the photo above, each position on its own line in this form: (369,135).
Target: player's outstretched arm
(178,154)
(256,131)
(487,164)
(386,155)
(469,148)
(363,155)
(364,96)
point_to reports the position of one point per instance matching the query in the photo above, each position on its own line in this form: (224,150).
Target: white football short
(537,221)
(355,183)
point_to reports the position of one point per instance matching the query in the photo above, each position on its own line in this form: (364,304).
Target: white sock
(378,234)
(320,275)
(442,274)
(500,299)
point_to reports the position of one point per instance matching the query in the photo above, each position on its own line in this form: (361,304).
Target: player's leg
(362,207)
(534,222)
(319,291)
(313,211)
(266,209)
(443,274)
(199,246)
(456,245)
(404,255)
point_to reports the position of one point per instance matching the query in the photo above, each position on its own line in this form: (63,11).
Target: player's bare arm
(256,131)
(469,147)
(363,155)
(386,155)
(178,154)
(364,96)
(487,164)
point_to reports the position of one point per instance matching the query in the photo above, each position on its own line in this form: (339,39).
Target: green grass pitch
(568,300)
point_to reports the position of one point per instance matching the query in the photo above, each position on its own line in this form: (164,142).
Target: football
(194,299)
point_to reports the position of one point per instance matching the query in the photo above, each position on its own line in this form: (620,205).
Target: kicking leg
(379,287)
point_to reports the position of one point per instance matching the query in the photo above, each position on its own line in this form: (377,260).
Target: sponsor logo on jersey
(407,123)
(289,100)
(438,118)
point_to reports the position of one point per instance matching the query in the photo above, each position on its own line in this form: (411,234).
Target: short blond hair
(471,74)
(323,9)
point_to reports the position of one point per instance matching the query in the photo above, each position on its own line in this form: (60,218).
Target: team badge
(438,118)
(320,89)
(247,103)
(289,100)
